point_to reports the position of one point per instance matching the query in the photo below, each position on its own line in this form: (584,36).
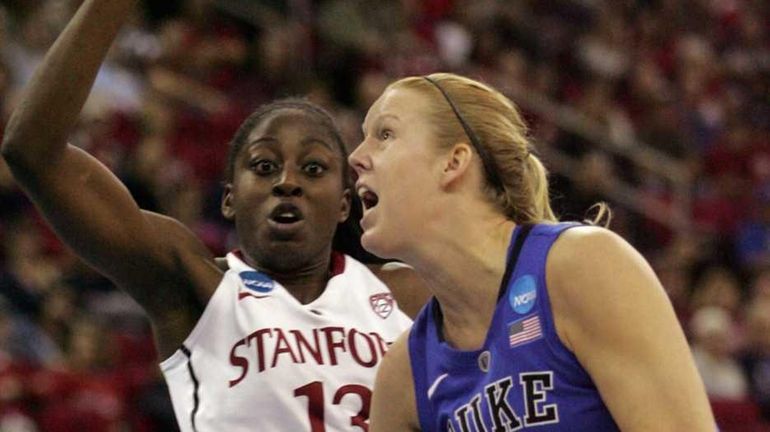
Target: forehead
(404,104)
(288,126)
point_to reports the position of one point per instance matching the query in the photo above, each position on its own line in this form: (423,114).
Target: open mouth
(286,214)
(368,198)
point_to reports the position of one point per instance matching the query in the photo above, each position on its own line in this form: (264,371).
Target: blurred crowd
(689,79)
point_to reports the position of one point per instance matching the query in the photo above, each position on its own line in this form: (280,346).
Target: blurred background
(659,107)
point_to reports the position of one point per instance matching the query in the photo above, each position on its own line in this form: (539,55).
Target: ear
(456,164)
(345,205)
(227,202)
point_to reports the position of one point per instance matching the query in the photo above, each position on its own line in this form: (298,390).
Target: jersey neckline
(515,245)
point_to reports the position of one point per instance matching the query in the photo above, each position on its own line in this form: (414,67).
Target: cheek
(252,209)
(327,201)
(401,212)
(251,192)
(410,182)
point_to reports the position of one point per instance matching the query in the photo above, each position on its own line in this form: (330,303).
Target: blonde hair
(459,103)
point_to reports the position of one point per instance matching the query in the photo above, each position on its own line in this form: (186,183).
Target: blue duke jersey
(523,377)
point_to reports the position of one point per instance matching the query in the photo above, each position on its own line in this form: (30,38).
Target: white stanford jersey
(258,360)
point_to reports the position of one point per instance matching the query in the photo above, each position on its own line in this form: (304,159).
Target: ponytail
(540,193)
(602,215)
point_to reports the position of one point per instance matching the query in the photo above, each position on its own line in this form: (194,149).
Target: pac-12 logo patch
(382,304)
(523,294)
(257,281)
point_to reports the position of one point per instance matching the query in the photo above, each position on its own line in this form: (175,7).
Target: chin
(380,245)
(284,258)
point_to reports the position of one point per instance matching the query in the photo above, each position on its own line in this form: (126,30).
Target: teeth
(362,190)
(287,214)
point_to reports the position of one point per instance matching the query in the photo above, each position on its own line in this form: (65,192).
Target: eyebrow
(268,140)
(380,118)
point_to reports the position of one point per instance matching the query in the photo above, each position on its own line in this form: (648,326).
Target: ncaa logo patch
(257,281)
(523,294)
(382,304)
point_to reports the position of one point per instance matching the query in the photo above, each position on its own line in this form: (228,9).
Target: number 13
(315,406)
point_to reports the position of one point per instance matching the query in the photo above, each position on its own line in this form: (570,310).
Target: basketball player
(534,324)
(289,338)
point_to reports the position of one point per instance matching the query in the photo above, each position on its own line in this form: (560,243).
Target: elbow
(11,151)
(18,148)
(10,148)
(15,148)
(26,144)
(22,165)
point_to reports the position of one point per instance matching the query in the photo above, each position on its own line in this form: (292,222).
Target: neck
(305,283)
(463,262)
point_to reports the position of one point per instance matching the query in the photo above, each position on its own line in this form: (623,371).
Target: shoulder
(189,280)
(394,405)
(190,265)
(397,365)
(591,273)
(589,249)
(611,311)
(397,357)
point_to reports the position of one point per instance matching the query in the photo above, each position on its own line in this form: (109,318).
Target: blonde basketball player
(535,324)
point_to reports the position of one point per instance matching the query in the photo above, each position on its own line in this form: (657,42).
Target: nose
(359,159)
(287,185)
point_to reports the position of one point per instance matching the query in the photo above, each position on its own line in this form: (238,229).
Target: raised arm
(612,312)
(87,205)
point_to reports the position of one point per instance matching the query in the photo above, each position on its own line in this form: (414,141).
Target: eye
(314,169)
(386,134)
(263,166)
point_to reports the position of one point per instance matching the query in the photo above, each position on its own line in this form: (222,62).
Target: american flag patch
(524,330)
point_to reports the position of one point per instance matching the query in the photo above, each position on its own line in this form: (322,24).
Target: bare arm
(393,403)
(613,313)
(87,205)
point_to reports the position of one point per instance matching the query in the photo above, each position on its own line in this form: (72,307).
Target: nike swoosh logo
(435,384)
